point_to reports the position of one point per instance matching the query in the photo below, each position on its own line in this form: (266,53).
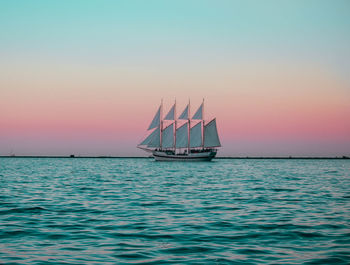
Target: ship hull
(192,157)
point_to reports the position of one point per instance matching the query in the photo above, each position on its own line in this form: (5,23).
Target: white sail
(168,137)
(155,140)
(171,114)
(182,136)
(148,139)
(211,137)
(199,113)
(156,120)
(184,115)
(196,135)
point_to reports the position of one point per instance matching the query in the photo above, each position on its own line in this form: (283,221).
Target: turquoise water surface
(137,211)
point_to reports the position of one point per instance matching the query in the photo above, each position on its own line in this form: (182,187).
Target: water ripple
(135,211)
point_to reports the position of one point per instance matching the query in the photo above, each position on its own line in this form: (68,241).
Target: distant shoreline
(220,157)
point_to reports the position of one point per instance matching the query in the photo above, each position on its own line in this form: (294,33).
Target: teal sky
(135,32)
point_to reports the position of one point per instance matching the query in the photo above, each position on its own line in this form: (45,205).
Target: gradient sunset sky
(86,77)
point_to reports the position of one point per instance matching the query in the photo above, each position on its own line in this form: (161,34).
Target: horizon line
(218,157)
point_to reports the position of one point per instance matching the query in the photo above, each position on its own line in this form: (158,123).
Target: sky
(86,77)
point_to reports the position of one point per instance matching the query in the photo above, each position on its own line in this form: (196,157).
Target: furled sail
(211,138)
(171,114)
(199,113)
(196,135)
(156,120)
(168,137)
(155,140)
(184,115)
(182,136)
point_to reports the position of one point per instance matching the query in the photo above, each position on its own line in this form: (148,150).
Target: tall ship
(182,138)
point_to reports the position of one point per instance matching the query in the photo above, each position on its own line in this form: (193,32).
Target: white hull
(202,156)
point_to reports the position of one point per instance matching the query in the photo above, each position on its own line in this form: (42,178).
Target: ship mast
(189,126)
(203,124)
(175,127)
(161,123)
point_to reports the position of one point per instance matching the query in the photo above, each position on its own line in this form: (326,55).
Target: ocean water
(137,211)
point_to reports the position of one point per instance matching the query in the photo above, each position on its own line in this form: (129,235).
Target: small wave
(226,239)
(107,227)
(19,233)
(225,224)
(86,188)
(187,250)
(71,248)
(293,178)
(68,227)
(253,251)
(309,234)
(36,209)
(283,189)
(152,203)
(133,256)
(330,260)
(142,235)
(57,236)
(144,261)
(331,171)
(221,207)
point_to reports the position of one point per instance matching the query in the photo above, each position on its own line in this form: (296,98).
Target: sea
(138,211)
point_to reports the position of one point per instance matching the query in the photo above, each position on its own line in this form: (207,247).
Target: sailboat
(182,138)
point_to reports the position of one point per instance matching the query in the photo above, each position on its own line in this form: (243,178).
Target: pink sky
(261,109)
